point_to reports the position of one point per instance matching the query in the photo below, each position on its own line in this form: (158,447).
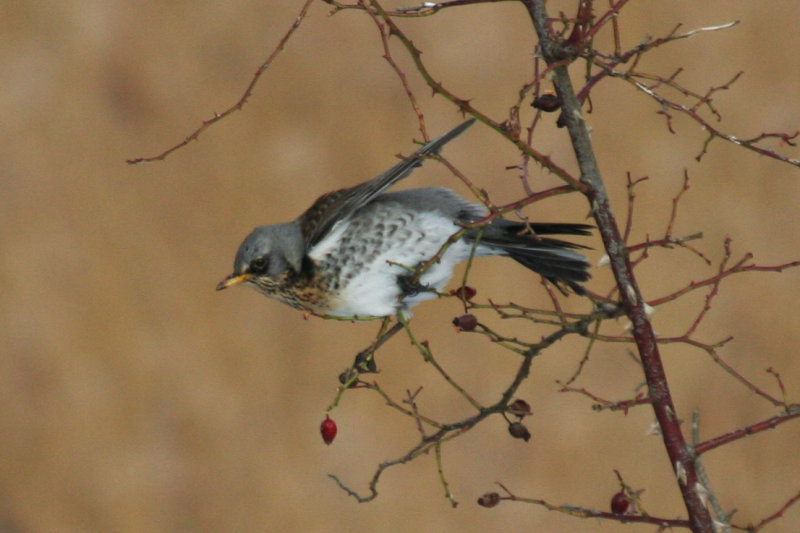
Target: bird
(363,252)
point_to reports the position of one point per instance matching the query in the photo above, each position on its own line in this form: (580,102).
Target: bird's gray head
(266,254)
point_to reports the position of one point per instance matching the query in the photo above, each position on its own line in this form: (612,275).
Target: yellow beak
(233,279)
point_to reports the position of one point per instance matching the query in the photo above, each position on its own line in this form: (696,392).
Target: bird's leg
(410,284)
(365,360)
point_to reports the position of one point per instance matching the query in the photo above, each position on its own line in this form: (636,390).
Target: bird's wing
(330,208)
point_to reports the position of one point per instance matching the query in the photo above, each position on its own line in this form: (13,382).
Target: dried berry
(519,408)
(465,322)
(519,431)
(547,102)
(465,292)
(490,499)
(328,430)
(620,503)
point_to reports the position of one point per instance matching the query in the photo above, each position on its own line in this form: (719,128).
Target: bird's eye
(259,265)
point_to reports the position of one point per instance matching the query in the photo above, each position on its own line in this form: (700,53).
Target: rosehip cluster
(517,429)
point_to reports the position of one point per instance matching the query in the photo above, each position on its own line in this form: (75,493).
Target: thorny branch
(564,40)
(493,498)
(713,132)
(445,432)
(631,298)
(248,92)
(792,411)
(699,519)
(382,20)
(608,64)
(771,518)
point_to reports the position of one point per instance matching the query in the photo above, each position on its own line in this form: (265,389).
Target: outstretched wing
(330,208)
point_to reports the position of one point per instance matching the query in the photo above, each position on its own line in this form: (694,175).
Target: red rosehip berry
(620,503)
(464,292)
(328,430)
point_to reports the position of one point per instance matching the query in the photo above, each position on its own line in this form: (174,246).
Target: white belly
(371,287)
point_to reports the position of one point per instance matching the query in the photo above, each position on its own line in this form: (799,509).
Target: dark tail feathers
(554,259)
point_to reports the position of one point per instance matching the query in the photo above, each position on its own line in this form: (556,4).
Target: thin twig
(771,518)
(242,100)
(582,512)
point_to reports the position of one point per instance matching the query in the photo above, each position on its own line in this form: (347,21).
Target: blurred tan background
(135,398)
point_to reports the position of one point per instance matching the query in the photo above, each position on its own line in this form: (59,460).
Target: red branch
(776,515)
(601,403)
(680,456)
(582,512)
(737,434)
(713,132)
